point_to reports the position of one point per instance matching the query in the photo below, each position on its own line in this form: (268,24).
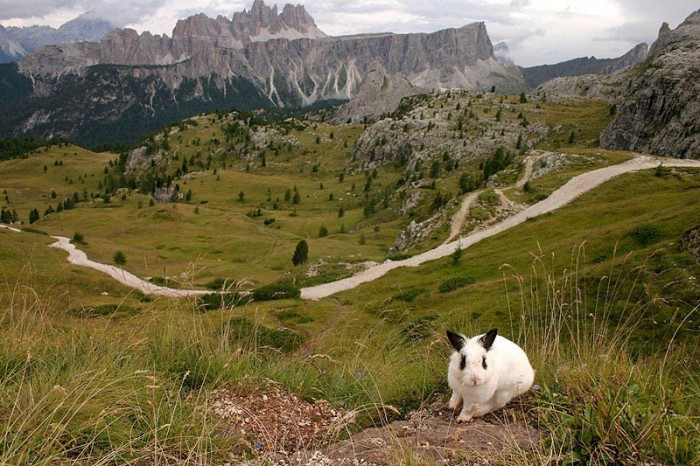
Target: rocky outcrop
(379,93)
(536,75)
(593,86)
(659,110)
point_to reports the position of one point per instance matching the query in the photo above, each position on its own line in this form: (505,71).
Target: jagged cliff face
(282,57)
(291,72)
(659,112)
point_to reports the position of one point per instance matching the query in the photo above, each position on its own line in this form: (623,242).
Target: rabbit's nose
(474,379)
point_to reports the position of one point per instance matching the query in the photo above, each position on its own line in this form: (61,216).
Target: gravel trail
(461,216)
(78,257)
(562,196)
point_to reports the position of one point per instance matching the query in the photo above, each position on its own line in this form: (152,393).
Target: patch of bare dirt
(429,435)
(273,419)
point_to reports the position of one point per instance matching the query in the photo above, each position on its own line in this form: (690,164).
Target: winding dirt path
(461,216)
(562,196)
(78,257)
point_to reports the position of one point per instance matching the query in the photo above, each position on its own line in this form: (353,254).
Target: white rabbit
(485,373)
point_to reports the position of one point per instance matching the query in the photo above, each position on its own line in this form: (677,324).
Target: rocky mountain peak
(297,15)
(685,32)
(263,22)
(660,111)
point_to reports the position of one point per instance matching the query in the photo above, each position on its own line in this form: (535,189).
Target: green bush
(644,235)
(35,231)
(276,291)
(119,258)
(218,283)
(455,283)
(409,295)
(214,301)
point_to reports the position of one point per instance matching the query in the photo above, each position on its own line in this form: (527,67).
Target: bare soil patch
(295,432)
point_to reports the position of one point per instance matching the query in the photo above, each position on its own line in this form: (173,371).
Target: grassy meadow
(602,294)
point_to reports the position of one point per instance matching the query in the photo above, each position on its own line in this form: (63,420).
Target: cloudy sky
(536,31)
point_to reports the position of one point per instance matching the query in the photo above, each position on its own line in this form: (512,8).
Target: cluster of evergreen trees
(7,216)
(15,148)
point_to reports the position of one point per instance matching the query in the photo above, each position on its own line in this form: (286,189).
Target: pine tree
(301,253)
(33,215)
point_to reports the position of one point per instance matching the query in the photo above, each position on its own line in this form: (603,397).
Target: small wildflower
(360,374)
(258,445)
(536,388)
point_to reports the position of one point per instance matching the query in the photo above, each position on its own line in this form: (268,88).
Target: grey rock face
(378,93)
(290,72)
(659,111)
(10,50)
(593,86)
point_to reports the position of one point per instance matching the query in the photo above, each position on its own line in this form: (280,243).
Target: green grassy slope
(601,294)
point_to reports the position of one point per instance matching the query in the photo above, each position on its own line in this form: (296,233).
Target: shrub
(35,231)
(219,283)
(645,235)
(119,258)
(409,295)
(323,231)
(269,221)
(276,291)
(214,301)
(455,283)
(78,238)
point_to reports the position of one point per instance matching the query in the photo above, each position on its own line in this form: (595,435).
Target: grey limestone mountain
(260,58)
(659,109)
(379,93)
(86,27)
(10,49)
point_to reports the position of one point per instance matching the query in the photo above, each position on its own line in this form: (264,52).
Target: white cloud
(536,31)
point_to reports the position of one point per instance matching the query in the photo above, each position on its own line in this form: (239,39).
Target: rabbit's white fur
(480,390)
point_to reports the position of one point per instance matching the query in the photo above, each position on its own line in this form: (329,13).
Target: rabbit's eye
(463,363)
(483,362)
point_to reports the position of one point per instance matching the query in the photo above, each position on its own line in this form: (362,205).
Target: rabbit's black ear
(488,338)
(457,340)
